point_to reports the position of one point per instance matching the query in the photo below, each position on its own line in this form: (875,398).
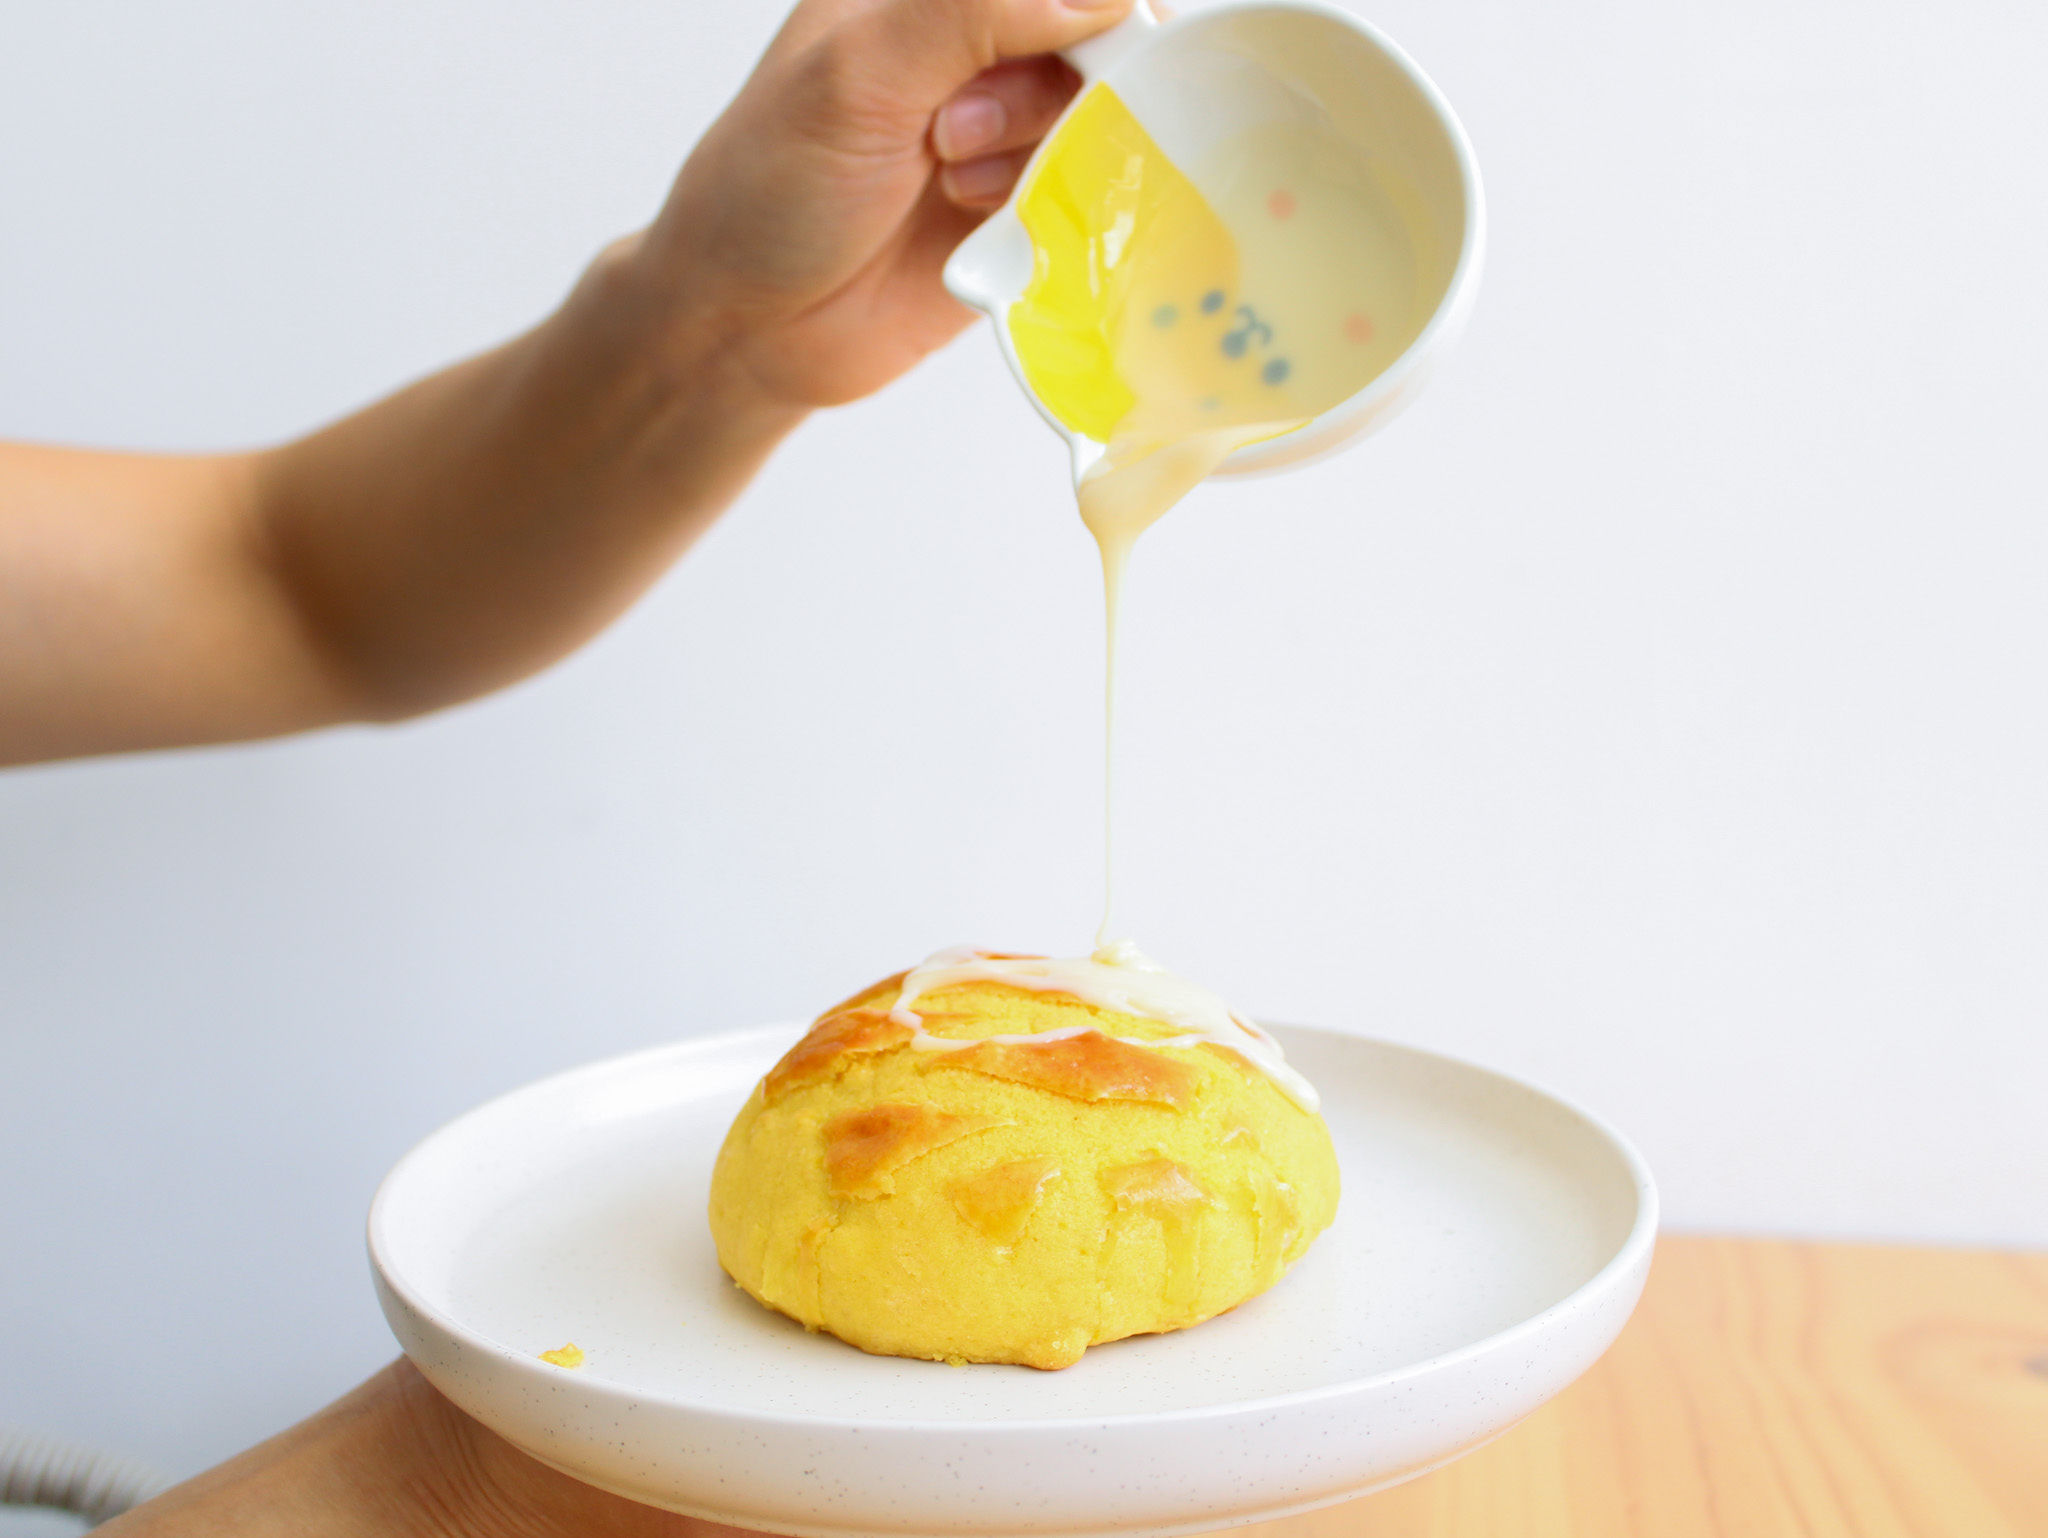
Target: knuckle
(839,98)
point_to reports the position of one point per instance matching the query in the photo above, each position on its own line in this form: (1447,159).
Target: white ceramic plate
(1491,1242)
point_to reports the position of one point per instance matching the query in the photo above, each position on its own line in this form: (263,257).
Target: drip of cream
(1171,321)
(1123,494)
(1117,978)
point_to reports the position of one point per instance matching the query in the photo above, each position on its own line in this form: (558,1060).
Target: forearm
(441,543)
(483,522)
(478,525)
(133,612)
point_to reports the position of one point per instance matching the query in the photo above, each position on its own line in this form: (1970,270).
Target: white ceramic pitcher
(1195,80)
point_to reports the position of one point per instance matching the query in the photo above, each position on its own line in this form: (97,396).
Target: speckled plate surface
(1491,1243)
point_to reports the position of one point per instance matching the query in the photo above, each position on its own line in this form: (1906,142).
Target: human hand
(812,221)
(477,525)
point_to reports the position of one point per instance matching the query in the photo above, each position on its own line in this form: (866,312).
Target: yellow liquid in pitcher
(1175,326)
(1161,315)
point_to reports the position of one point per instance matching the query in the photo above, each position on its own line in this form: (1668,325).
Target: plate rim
(1628,1261)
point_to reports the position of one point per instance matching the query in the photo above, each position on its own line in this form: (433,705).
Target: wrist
(677,357)
(476,526)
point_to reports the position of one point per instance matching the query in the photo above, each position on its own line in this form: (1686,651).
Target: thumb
(908,57)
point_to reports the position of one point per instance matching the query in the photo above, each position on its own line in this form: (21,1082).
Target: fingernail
(980,181)
(968,123)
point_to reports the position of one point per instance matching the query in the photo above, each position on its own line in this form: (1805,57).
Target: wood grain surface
(1769,1388)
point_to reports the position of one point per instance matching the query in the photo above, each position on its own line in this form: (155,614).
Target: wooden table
(1767,1388)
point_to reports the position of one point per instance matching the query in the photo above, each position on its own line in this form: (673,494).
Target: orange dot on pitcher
(1358,327)
(1280,203)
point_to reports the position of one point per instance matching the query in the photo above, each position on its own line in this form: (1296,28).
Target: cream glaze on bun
(999,1158)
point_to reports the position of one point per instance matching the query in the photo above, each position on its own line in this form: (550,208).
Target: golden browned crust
(1159,1188)
(826,1046)
(864,1148)
(1090,1066)
(866,996)
(999,1201)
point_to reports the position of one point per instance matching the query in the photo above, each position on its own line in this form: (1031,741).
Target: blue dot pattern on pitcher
(1249,328)
(1244,330)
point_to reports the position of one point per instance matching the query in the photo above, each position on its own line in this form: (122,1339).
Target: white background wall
(1656,710)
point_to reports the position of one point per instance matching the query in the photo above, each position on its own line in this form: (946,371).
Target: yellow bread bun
(1013,1201)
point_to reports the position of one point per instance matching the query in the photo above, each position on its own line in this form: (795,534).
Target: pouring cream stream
(1173,324)
(1168,325)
